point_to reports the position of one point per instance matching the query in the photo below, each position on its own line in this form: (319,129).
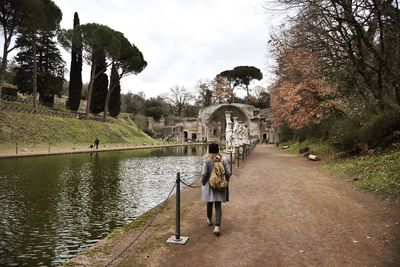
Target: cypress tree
(100,84)
(75,76)
(114,105)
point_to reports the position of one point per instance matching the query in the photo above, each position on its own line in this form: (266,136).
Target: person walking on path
(212,196)
(97,142)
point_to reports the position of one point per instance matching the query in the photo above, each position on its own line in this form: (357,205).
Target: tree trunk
(90,88)
(108,99)
(34,74)
(397,77)
(3,70)
(4,60)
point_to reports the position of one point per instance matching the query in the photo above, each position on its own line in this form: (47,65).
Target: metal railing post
(230,156)
(177,238)
(238,157)
(178,207)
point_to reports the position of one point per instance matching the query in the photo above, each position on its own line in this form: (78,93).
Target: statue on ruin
(236,133)
(228,131)
(245,134)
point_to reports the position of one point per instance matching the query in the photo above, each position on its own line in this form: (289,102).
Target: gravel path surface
(284,211)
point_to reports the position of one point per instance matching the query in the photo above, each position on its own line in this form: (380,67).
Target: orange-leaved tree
(301,95)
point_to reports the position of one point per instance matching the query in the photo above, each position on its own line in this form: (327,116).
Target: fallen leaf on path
(302,251)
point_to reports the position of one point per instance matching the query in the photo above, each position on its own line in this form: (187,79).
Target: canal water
(53,207)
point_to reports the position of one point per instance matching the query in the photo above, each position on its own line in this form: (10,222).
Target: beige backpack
(217,179)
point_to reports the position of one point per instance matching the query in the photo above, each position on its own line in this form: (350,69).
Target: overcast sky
(182,40)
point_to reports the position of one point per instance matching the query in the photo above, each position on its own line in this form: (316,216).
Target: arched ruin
(210,124)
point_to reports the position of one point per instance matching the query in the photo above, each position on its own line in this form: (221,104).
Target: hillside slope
(33,130)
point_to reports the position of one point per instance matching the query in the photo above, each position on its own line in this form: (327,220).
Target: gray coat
(209,194)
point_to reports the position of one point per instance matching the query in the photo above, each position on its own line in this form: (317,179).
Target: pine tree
(114,105)
(100,84)
(75,77)
(50,66)
(24,69)
(40,16)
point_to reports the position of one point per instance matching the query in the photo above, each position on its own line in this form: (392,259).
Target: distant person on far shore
(97,142)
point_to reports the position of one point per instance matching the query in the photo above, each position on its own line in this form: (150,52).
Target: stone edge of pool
(65,152)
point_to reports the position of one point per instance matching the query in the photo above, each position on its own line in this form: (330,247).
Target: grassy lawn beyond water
(37,130)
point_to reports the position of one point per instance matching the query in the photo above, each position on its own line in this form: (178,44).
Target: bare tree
(178,98)
(222,91)
(355,41)
(205,93)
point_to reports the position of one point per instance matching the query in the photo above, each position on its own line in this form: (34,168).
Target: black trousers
(218,212)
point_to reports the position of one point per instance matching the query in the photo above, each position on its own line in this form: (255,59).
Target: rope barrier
(191,186)
(144,229)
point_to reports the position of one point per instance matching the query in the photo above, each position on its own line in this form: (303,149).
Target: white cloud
(182,41)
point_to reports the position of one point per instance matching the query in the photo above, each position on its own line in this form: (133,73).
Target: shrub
(149,132)
(359,132)
(380,130)
(344,135)
(285,133)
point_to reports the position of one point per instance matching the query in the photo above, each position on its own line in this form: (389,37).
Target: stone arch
(214,118)
(185,134)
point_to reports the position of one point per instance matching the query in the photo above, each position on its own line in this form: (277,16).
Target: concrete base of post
(181,241)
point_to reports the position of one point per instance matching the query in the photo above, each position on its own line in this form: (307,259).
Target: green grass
(37,129)
(320,148)
(379,173)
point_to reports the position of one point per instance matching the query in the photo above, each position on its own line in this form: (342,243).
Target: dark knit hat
(213,148)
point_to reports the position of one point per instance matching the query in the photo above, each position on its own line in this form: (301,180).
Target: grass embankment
(34,130)
(379,172)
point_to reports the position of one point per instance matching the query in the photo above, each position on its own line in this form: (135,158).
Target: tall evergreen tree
(100,84)
(50,66)
(24,69)
(242,76)
(40,16)
(75,76)
(114,105)
(11,14)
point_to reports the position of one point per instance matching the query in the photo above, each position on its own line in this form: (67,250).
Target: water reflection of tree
(102,198)
(33,187)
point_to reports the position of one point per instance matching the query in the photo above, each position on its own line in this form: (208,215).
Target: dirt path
(284,211)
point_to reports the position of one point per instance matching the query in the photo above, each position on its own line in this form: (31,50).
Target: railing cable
(143,230)
(191,186)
